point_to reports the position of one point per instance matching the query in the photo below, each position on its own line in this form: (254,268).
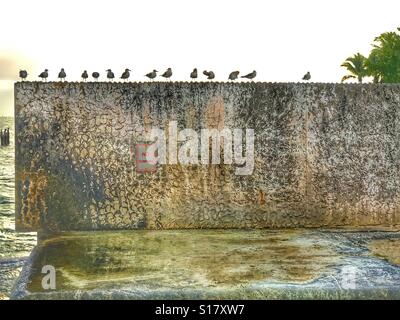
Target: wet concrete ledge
(217,264)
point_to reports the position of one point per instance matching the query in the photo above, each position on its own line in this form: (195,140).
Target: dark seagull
(307,76)
(167,74)
(210,75)
(251,75)
(62,75)
(126,74)
(44,74)
(110,74)
(96,75)
(152,74)
(84,75)
(193,74)
(23,74)
(233,75)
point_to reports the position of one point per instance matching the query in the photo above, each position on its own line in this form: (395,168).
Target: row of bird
(23,74)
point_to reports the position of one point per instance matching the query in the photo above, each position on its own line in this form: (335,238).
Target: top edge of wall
(200,82)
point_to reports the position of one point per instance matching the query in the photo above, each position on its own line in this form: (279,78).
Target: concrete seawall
(324,155)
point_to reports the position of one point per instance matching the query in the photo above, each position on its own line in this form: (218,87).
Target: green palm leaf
(355,65)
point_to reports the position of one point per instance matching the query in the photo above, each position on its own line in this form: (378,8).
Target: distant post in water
(5,137)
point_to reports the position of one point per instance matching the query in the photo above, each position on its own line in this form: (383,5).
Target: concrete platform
(217,264)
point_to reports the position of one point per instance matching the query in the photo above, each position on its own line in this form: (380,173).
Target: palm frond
(356,65)
(349,76)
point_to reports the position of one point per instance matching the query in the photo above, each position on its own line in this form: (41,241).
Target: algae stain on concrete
(181,259)
(387,249)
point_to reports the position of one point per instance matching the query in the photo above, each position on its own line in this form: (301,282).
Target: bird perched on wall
(62,75)
(23,74)
(251,75)
(96,75)
(307,76)
(110,74)
(152,74)
(193,74)
(210,75)
(126,74)
(167,74)
(233,75)
(44,74)
(84,75)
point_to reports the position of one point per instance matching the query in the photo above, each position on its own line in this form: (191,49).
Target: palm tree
(383,62)
(356,66)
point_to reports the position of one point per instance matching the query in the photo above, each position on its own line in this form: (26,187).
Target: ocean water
(14,247)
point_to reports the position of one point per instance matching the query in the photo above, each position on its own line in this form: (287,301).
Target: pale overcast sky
(281,39)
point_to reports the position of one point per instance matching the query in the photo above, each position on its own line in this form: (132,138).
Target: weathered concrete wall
(325,155)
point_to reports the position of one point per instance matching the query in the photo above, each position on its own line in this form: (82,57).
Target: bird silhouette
(152,74)
(126,74)
(167,74)
(96,75)
(110,74)
(44,74)
(251,75)
(193,74)
(210,75)
(307,76)
(233,75)
(84,75)
(62,75)
(23,74)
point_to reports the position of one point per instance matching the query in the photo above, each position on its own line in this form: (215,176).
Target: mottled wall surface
(325,155)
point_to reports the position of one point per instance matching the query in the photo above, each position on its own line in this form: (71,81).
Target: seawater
(14,247)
